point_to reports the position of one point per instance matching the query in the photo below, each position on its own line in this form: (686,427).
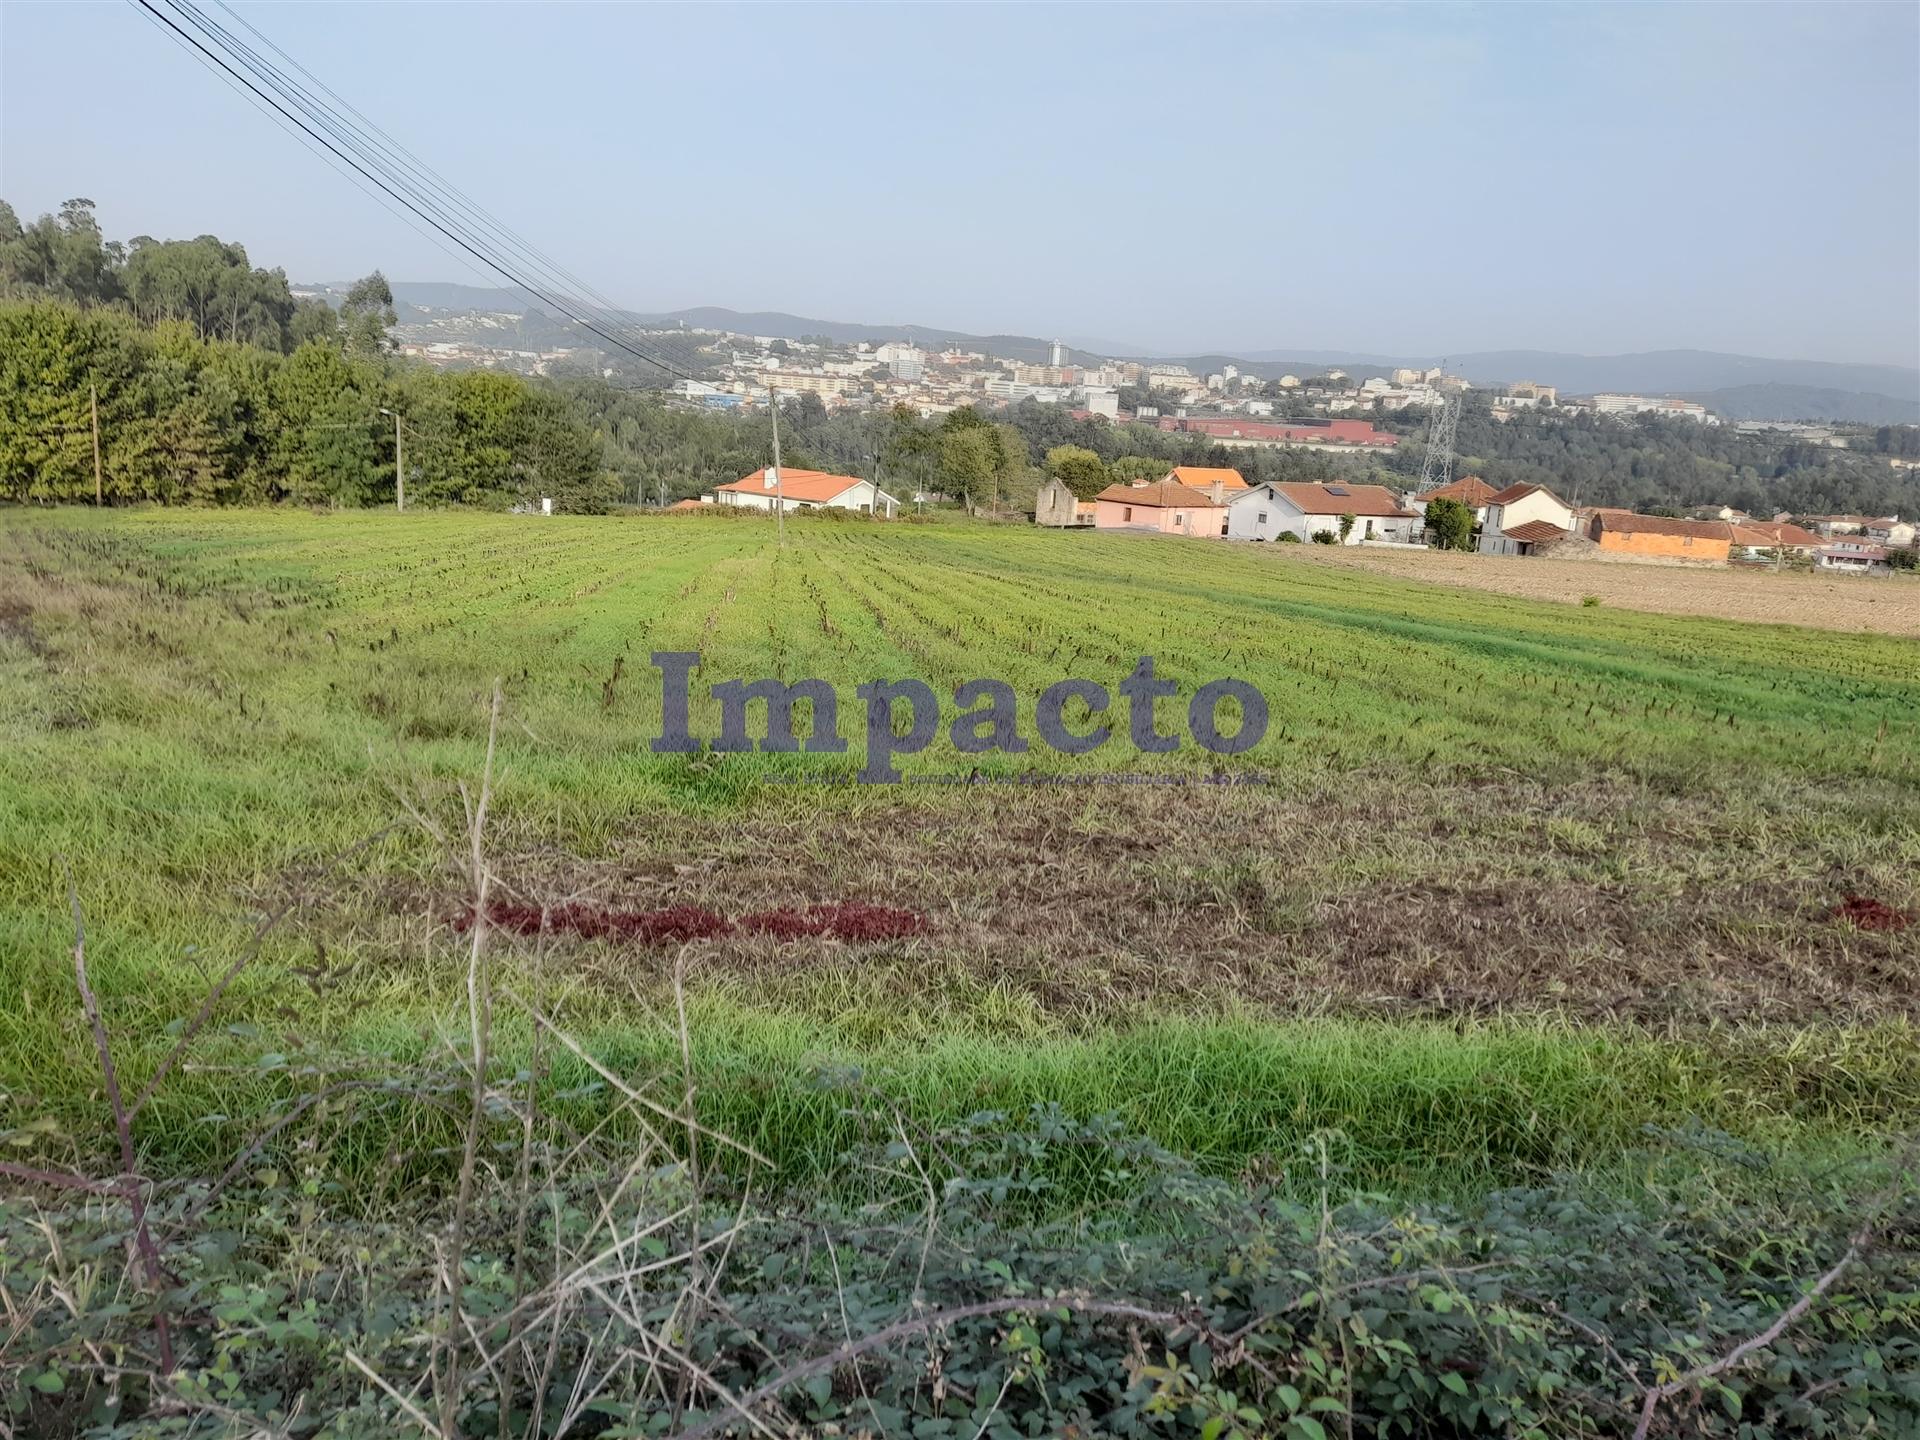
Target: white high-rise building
(1057,354)
(907,362)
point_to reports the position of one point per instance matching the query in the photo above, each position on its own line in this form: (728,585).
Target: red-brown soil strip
(840,920)
(1867,914)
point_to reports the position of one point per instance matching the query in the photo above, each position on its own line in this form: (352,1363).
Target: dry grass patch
(1889,606)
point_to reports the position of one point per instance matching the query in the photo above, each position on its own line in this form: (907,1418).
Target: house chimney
(770,477)
(1218,491)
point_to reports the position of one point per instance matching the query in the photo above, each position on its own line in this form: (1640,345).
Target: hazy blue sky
(1379,178)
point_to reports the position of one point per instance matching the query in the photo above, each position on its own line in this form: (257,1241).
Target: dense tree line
(1900,440)
(212,383)
(207,282)
(184,418)
(1651,462)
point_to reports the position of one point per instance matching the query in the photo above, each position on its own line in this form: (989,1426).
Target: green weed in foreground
(1420,1108)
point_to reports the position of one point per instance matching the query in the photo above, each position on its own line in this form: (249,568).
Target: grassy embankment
(1519,879)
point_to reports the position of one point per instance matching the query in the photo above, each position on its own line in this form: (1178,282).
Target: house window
(1369,529)
(1126,512)
(1263,518)
(1223,524)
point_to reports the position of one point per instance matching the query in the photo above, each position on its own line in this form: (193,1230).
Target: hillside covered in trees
(215,384)
(1650,462)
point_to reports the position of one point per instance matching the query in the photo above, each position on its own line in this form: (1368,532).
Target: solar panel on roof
(1337,490)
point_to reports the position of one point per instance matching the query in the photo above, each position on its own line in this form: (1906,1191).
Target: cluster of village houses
(1526,519)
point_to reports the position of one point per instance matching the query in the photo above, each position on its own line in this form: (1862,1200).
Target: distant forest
(214,384)
(1652,462)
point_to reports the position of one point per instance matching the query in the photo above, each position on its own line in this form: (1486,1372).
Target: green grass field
(1515,879)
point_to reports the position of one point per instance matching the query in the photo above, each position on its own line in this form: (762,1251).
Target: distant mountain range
(1807,402)
(1741,387)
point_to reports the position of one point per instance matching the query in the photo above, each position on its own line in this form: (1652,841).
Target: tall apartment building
(796,382)
(1045,374)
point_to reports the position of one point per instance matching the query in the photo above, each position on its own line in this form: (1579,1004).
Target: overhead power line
(436,192)
(399,175)
(352,177)
(433,181)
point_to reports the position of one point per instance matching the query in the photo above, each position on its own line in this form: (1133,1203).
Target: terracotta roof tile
(1161,494)
(1663,525)
(1374,500)
(1534,531)
(1468,490)
(814,486)
(1773,532)
(1202,477)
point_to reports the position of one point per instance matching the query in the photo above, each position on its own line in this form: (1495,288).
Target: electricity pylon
(1437,468)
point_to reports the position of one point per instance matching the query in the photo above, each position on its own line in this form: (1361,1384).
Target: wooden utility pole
(779,484)
(93,398)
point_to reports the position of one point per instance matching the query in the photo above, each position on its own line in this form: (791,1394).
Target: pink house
(1165,505)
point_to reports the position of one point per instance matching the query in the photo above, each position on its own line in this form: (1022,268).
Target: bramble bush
(617,1299)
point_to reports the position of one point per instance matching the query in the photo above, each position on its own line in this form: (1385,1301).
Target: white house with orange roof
(1305,509)
(793,490)
(1523,517)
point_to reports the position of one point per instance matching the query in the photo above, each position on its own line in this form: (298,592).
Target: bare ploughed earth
(1887,605)
(1502,897)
